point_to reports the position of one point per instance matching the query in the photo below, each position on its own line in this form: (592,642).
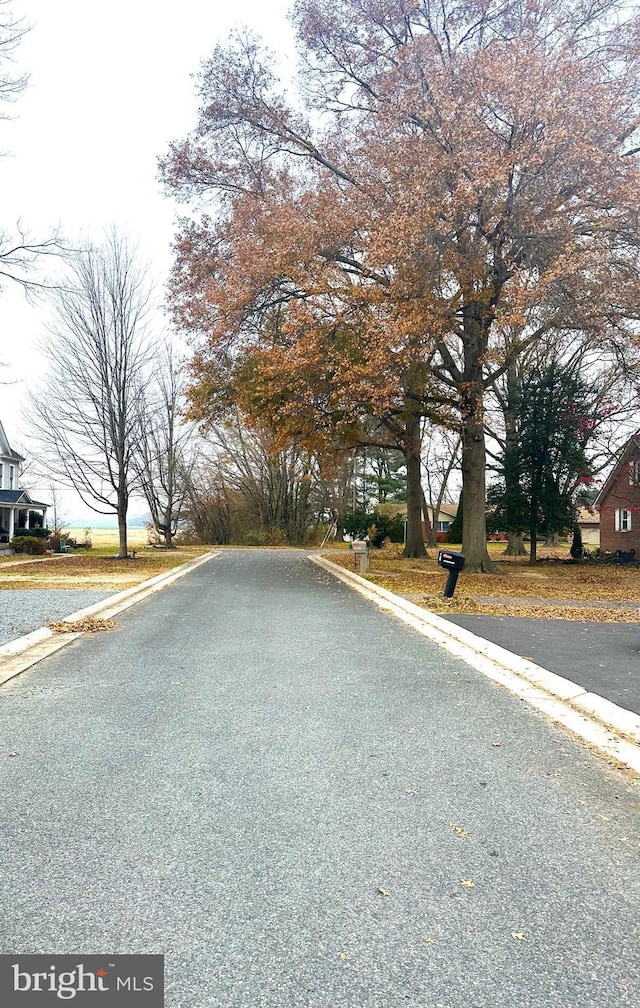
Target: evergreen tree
(544,458)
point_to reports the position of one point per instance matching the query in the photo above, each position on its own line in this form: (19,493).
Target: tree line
(108,419)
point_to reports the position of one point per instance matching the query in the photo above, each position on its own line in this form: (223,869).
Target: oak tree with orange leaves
(443,176)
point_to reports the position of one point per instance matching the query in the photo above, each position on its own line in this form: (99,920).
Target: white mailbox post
(361,549)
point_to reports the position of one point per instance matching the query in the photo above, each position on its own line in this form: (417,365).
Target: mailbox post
(361,549)
(453,562)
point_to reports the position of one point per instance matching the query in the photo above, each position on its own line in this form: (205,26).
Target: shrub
(386,526)
(34,533)
(377,526)
(262,537)
(29,544)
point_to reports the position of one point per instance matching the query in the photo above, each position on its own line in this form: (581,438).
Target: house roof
(447,509)
(19,497)
(587,517)
(629,449)
(5,447)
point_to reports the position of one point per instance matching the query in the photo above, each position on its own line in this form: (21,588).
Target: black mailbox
(453,562)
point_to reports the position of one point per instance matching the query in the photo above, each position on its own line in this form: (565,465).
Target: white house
(15,504)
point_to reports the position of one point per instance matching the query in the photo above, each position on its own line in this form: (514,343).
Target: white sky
(110,86)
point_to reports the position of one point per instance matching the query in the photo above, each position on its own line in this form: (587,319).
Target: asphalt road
(602,657)
(258,774)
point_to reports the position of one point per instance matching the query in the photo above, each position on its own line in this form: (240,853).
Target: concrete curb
(612,729)
(23,652)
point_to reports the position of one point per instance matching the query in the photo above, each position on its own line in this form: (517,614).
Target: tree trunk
(474,457)
(122,535)
(414,546)
(168,538)
(553,539)
(432,528)
(533,532)
(533,553)
(515,545)
(122,508)
(338,519)
(474,529)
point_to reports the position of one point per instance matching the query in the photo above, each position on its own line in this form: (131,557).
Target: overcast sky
(110,86)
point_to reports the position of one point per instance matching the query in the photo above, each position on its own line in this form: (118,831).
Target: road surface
(302,803)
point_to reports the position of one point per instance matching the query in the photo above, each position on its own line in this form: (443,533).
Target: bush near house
(378,525)
(34,532)
(31,545)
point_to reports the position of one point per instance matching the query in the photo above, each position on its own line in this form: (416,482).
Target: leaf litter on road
(91,624)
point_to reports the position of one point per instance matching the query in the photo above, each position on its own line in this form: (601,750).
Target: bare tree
(19,252)
(165,451)
(440,457)
(12,31)
(210,506)
(273,481)
(85,417)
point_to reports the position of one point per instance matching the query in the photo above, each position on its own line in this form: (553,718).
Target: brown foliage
(472,188)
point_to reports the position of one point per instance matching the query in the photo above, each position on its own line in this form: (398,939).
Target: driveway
(303,803)
(24,610)
(602,657)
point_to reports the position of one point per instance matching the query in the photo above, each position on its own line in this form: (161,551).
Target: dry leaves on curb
(92,624)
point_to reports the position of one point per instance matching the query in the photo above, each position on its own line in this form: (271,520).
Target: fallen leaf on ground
(342,955)
(552,588)
(459,830)
(383,892)
(92,624)
(431,941)
(519,935)
(467,883)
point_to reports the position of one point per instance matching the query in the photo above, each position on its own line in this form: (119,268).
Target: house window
(623,521)
(12,470)
(1,475)
(443,526)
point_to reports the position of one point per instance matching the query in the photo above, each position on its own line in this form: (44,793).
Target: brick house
(619,501)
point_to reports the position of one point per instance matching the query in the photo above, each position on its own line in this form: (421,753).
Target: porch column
(26,521)
(12,522)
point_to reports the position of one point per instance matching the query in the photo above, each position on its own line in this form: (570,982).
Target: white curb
(23,652)
(605,725)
